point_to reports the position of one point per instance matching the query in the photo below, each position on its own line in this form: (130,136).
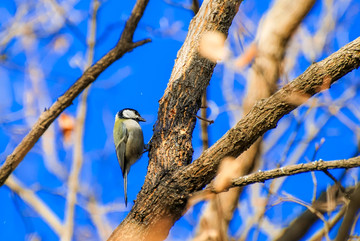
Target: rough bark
(171,141)
(124,45)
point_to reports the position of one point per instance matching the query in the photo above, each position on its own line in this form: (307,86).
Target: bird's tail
(125,187)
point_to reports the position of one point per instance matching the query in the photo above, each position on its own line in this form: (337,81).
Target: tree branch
(124,45)
(263,176)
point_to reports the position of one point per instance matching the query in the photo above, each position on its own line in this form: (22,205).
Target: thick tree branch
(124,45)
(182,98)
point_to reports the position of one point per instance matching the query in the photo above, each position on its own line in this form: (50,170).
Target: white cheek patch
(129,114)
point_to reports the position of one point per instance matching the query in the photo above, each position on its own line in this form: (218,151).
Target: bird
(128,140)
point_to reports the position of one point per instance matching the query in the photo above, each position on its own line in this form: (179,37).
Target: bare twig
(312,210)
(326,202)
(335,180)
(204,119)
(263,176)
(124,45)
(72,26)
(318,235)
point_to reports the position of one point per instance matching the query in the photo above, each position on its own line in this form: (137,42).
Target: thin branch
(263,176)
(327,202)
(68,23)
(204,119)
(123,46)
(318,235)
(335,180)
(316,212)
(36,203)
(205,122)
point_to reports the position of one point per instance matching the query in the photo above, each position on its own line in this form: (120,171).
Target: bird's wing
(120,139)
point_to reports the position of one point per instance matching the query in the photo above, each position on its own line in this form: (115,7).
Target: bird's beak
(141,119)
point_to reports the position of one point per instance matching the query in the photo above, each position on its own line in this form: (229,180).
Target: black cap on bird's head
(129,113)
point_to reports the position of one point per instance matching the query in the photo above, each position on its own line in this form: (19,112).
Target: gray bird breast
(135,141)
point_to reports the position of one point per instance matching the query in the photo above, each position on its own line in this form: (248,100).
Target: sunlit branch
(263,176)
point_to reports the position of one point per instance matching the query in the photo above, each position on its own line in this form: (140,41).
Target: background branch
(273,36)
(36,203)
(350,213)
(74,177)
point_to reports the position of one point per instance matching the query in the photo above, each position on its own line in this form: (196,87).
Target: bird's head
(129,113)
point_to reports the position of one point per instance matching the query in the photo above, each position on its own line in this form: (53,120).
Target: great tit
(129,141)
